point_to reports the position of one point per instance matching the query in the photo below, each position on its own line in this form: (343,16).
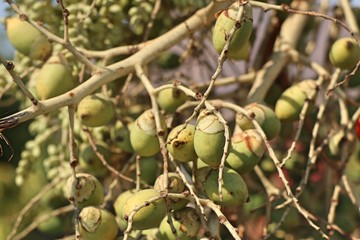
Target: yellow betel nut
(54,78)
(345,53)
(96,110)
(27,40)
(291,101)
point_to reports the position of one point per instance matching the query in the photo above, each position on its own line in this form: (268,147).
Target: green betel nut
(97,223)
(209,139)
(186,223)
(148,216)
(54,78)
(345,53)
(291,101)
(175,185)
(225,22)
(119,208)
(264,115)
(143,135)
(181,146)
(234,190)
(246,150)
(27,40)
(170,99)
(85,190)
(96,110)
(149,169)
(121,136)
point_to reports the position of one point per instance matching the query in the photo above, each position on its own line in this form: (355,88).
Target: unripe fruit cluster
(86,192)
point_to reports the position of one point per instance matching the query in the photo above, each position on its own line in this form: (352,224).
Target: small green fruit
(89,161)
(169,60)
(169,99)
(291,101)
(119,207)
(234,190)
(186,222)
(55,197)
(345,53)
(55,226)
(121,136)
(225,22)
(27,40)
(97,223)
(246,150)
(143,135)
(181,146)
(148,216)
(96,110)
(209,139)
(264,115)
(54,78)
(175,185)
(85,189)
(149,169)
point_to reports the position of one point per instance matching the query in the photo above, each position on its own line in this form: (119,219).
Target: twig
(66,14)
(129,218)
(73,164)
(334,203)
(153,14)
(103,160)
(9,66)
(215,208)
(109,195)
(225,149)
(159,128)
(43,218)
(289,36)
(310,99)
(138,172)
(311,158)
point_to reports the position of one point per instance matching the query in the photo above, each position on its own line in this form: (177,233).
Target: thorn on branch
(23,17)
(10,66)
(198,96)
